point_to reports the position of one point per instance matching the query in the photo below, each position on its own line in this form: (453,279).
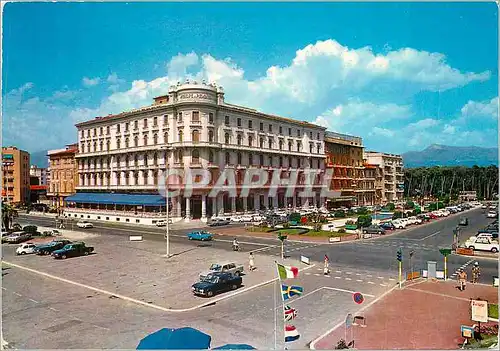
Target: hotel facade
(122,158)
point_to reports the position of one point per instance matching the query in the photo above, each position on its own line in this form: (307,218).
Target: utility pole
(411,263)
(399,257)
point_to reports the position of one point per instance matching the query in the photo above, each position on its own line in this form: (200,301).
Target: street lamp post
(167,198)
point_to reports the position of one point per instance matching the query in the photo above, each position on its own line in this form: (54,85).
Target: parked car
(163,222)
(388,226)
(18,237)
(200,235)
(374,229)
(484,207)
(225,267)
(482,244)
(463,221)
(432,215)
(16,227)
(216,283)
(73,250)
(492,235)
(84,224)
(424,217)
(399,224)
(492,214)
(26,248)
(47,249)
(415,220)
(215,222)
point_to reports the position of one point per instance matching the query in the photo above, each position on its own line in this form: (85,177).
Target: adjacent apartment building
(63,174)
(15,175)
(389,176)
(190,127)
(40,173)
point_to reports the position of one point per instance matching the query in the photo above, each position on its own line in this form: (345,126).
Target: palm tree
(8,213)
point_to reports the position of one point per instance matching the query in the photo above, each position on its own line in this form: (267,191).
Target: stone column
(233,205)
(275,201)
(178,206)
(220,204)
(256,202)
(294,200)
(203,207)
(306,202)
(122,175)
(245,204)
(188,209)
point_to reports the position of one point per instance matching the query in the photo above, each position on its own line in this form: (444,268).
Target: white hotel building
(190,127)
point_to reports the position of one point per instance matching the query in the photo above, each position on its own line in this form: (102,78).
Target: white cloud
(481,108)
(113,79)
(382,132)
(90,82)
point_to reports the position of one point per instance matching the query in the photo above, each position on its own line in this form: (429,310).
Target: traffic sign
(445,252)
(358,298)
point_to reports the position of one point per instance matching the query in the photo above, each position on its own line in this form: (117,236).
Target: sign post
(445,253)
(400,259)
(411,264)
(479,312)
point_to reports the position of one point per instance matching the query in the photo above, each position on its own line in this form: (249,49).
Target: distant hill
(443,155)
(39,158)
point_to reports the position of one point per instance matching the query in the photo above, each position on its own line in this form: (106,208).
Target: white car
(491,214)
(482,244)
(84,224)
(406,221)
(229,267)
(415,220)
(27,248)
(246,218)
(163,222)
(484,207)
(258,218)
(399,224)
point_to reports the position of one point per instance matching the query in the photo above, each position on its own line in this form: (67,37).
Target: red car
(432,215)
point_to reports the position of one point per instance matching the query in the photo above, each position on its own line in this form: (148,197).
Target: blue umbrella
(175,339)
(235,347)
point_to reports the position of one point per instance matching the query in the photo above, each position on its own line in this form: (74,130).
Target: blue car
(200,235)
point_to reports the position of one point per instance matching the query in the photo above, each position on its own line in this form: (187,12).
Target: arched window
(227,139)
(281,161)
(136,178)
(261,143)
(211,136)
(310,148)
(126,142)
(118,143)
(238,139)
(126,178)
(281,144)
(126,160)
(228,158)
(318,148)
(239,158)
(145,138)
(155,159)
(181,136)
(108,145)
(261,160)
(270,161)
(145,159)
(270,143)
(95,146)
(195,156)
(118,161)
(101,146)
(289,161)
(196,136)
(250,159)
(136,141)
(136,160)
(299,146)
(155,177)
(290,145)
(155,138)
(211,156)
(178,156)
(165,138)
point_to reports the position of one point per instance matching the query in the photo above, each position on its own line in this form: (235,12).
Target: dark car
(463,221)
(47,249)
(388,226)
(424,217)
(73,250)
(215,283)
(374,229)
(488,230)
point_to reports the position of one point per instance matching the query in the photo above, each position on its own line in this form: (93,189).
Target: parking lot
(141,270)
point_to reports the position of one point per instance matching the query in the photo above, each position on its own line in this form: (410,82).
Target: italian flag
(286,272)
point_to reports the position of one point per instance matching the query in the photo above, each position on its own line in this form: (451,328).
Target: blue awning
(116,199)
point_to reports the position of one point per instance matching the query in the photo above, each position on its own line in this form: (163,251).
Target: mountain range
(443,155)
(39,158)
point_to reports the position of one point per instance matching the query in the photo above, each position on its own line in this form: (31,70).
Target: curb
(150,305)
(477,257)
(313,343)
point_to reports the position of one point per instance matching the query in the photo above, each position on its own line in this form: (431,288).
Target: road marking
(3,288)
(369,275)
(307,273)
(380,277)
(392,279)
(35,301)
(383,284)
(428,236)
(371,283)
(317,274)
(358,280)
(139,302)
(348,279)
(343,290)
(348,272)
(327,275)
(53,309)
(338,271)
(16,293)
(264,248)
(338,277)
(358,273)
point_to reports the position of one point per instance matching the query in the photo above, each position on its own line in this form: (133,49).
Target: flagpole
(282,304)
(275,318)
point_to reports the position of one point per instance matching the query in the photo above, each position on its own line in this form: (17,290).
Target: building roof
(117,199)
(63,152)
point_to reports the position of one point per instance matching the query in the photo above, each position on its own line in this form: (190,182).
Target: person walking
(462,279)
(251,262)
(326,269)
(476,272)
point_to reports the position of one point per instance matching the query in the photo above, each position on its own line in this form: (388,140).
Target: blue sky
(370,69)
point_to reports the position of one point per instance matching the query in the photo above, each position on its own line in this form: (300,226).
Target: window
(136,124)
(181,135)
(290,161)
(261,160)
(145,159)
(136,141)
(210,117)
(126,142)
(281,161)
(317,136)
(250,140)
(126,127)
(126,160)
(100,130)
(136,161)
(145,122)
(281,130)
(196,136)
(298,133)
(195,156)
(270,143)
(299,162)
(107,130)
(318,148)
(270,128)
(281,144)
(261,143)
(238,122)
(227,139)
(165,120)
(238,139)
(250,159)
(117,143)
(310,135)
(310,148)
(270,161)
(179,117)
(155,139)
(239,158)
(299,146)
(290,144)
(228,158)
(210,156)
(250,124)
(195,117)
(155,121)
(82,147)
(210,136)
(261,126)
(165,138)
(82,134)
(101,146)
(226,120)
(95,146)
(108,145)
(95,132)
(289,131)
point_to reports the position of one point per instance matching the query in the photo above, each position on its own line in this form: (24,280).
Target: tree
(409,205)
(397,214)
(8,213)
(364,221)
(390,206)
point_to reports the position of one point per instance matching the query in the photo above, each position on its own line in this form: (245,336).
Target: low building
(389,181)
(15,175)
(467,195)
(40,173)
(63,174)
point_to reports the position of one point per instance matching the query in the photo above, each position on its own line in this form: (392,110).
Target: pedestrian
(326,269)
(476,272)
(462,279)
(251,263)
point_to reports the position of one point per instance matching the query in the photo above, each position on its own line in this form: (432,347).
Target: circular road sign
(358,298)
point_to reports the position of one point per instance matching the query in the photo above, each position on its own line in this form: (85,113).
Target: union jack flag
(290,313)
